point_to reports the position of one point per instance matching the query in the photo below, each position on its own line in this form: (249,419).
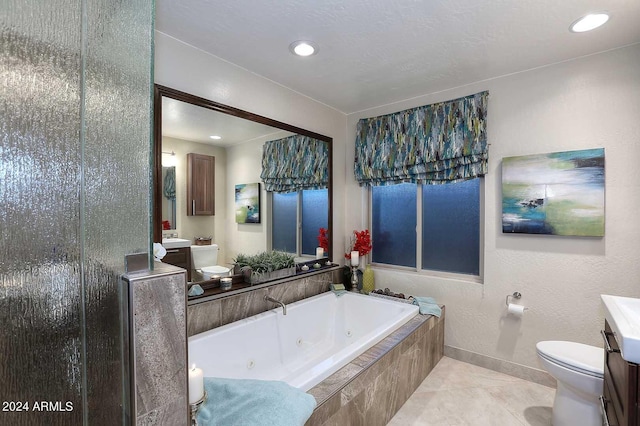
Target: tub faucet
(271,299)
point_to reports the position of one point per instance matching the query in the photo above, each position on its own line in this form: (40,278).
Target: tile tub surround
(203,316)
(372,388)
(158,345)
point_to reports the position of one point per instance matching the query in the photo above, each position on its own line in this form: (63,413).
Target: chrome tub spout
(271,299)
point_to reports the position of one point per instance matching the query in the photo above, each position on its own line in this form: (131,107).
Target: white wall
(185,68)
(585,103)
(244,163)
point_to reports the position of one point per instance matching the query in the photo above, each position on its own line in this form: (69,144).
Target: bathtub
(317,337)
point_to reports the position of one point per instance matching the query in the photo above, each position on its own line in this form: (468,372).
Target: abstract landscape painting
(248,203)
(560,193)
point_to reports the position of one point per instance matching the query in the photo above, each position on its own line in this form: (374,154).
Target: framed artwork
(560,193)
(248,203)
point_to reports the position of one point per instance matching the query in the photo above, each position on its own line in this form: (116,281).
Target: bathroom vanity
(178,253)
(180,257)
(621,384)
(620,402)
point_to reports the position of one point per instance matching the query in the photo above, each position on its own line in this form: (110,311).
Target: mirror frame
(161,91)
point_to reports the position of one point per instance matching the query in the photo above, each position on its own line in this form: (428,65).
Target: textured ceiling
(377,52)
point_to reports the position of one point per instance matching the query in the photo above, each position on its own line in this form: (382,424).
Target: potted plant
(265,266)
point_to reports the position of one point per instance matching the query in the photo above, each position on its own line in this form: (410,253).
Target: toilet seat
(574,356)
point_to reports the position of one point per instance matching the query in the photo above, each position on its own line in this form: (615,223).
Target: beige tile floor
(459,394)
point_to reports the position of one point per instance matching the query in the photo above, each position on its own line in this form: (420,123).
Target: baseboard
(512,369)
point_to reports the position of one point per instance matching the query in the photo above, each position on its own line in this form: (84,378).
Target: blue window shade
(284,213)
(450,227)
(314,217)
(394,224)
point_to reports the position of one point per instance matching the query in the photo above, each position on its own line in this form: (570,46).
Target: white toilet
(204,261)
(579,371)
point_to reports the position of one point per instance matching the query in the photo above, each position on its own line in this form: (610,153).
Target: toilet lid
(213,270)
(574,356)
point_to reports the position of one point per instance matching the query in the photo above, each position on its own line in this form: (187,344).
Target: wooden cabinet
(200,185)
(179,257)
(621,397)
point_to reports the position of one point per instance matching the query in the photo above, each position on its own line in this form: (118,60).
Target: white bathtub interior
(317,337)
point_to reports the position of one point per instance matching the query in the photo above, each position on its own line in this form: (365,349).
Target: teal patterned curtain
(294,163)
(437,143)
(169,187)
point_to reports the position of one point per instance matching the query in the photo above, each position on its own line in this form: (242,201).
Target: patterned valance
(294,163)
(437,143)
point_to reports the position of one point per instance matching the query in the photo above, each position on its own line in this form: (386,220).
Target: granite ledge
(264,285)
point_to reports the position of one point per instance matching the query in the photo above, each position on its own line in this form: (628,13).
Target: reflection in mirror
(168,198)
(289,221)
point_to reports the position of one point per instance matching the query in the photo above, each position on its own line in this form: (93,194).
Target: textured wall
(585,103)
(74,199)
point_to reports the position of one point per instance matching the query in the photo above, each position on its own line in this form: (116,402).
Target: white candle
(319,253)
(196,384)
(355,258)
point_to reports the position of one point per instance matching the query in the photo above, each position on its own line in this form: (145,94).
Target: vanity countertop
(173,243)
(623,316)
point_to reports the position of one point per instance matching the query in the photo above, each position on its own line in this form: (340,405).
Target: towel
(428,306)
(195,290)
(159,251)
(338,289)
(245,402)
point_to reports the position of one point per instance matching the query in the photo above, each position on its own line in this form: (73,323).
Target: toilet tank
(204,256)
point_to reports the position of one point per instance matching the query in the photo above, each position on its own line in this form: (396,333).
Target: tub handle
(603,409)
(607,346)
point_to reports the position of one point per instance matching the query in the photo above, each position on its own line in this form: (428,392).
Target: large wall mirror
(187,124)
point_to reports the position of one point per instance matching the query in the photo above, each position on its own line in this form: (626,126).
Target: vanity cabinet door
(180,257)
(609,408)
(621,382)
(200,185)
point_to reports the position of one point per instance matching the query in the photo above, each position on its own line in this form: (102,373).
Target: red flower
(323,239)
(360,242)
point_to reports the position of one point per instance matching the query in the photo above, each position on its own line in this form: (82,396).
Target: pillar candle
(196,384)
(319,253)
(355,258)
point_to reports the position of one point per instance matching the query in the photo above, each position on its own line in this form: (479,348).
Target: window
(427,227)
(310,205)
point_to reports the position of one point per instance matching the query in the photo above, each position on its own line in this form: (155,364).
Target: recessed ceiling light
(303,48)
(215,137)
(589,22)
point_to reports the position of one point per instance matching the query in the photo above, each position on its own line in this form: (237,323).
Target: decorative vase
(368,280)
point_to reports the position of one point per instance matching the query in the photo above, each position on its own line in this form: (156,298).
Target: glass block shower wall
(75,114)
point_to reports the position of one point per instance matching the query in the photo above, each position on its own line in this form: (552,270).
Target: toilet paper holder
(515,295)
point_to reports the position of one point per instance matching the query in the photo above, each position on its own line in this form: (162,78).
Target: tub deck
(371,389)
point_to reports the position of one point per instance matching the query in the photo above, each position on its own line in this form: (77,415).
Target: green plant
(267,261)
